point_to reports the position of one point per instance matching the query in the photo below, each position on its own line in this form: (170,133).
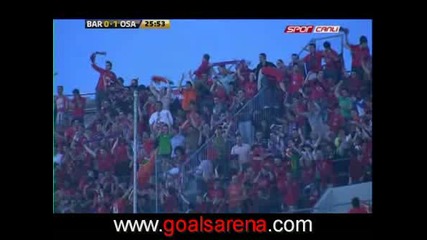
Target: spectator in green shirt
(164,140)
(344,101)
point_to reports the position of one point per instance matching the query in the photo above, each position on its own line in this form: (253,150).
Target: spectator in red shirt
(332,62)
(78,105)
(359,53)
(291,193)
(218,90)
(313,59)
(250,87)
(106,77)
(235,195)
(216,197)
(121,201)
(204,67)
(243,73)
(356,208)
(104,160)
(169,200)
(354,83)
(356,169)
(335,120)
(121,155)
(297,80)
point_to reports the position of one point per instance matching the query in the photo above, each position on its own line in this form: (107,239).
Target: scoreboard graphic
(127,24)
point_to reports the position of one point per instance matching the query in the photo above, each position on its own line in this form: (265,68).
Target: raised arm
(337,89)
(346,43)
(257,177)
(169,89)
(302,93)
(182,79)
(227,131)
(93,59)
(170,118)
(319,139)
(212,89)
(200,137)
(90,151)
(318,109)
(190,75)
(301,136)
(154,90)
(239,75)
(114,146)
(184,199)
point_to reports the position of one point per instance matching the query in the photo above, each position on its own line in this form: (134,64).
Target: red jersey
(367,153)
(326,173)
(148,145)
(203,69)
(280,172)
(297,81)
(235,194)
(300,108)
(317,92)
(79,105)
(356,169)
(335,122)
(263,182)
(220,93)
(106,77)
(354,84)
(291,195)
(314,197)
(151,108)
(358,210)
(69,133)
(250,89)
(102,209)
(201,207)
(314,61)
(105,162)
(308,175)
(120,154)
(216,194)
(331,60)
(119,206)
(87,161)
(332,100)
(358,54)
(171,204)
(244,72)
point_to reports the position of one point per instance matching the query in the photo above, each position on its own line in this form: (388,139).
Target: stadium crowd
(268,139)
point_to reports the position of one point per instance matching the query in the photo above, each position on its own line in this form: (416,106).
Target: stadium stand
(227,138)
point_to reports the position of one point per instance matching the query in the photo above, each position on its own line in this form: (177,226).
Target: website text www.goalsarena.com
(170,227)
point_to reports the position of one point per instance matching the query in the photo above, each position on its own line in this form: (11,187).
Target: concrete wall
(338,200)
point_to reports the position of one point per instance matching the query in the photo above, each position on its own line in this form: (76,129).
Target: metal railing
(203,152)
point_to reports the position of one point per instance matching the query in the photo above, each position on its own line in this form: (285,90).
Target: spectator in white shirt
(242,151)
(160,116)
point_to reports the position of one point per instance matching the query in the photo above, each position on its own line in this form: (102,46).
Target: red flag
(226,63)
(159,79)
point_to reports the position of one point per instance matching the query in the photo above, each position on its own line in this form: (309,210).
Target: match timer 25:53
(117,23)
